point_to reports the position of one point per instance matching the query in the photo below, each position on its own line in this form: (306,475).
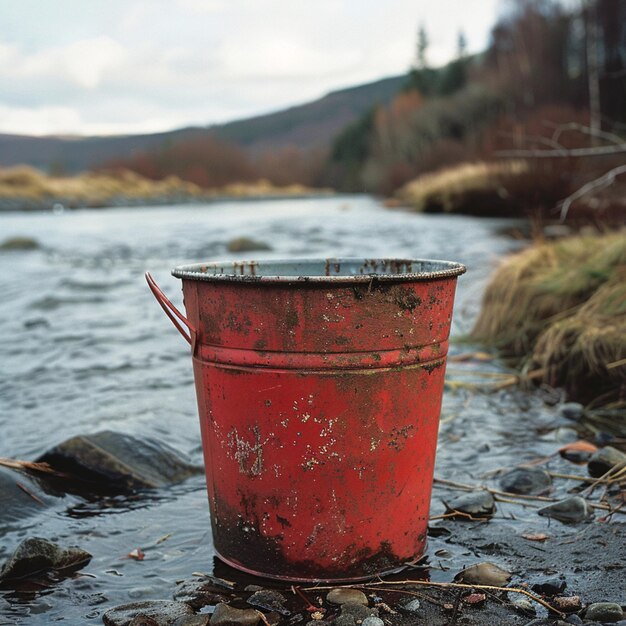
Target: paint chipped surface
(325,429)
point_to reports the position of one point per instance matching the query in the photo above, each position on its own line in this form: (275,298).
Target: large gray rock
(160,612)
(18,503)
(120,461)
(35,555)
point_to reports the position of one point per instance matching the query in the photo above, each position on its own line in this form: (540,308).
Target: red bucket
(319,387)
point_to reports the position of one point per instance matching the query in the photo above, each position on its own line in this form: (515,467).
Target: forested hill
(309,125)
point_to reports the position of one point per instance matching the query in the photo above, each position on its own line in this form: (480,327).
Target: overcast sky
(131,66)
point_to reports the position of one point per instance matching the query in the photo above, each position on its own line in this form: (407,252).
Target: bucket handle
(171,311)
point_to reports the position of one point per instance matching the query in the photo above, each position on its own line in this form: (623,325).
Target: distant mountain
(307,126)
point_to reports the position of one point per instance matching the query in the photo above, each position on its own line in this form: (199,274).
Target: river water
(84,347)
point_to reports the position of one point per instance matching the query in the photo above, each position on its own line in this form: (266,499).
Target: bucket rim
(248,271)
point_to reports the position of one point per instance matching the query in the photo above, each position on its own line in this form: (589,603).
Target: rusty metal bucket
(319,386)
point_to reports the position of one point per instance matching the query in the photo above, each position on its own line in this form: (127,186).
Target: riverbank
(558,310)
(27,189)
(538,189)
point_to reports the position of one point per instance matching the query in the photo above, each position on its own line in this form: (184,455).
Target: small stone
(19,243)
(484,574)
(573,619)
(526,481)
(35,555)
(604,460)
(573,411)
(567,603)
(162,612)
(200,593)
(565,435)
(345,595)
(269,600)
(604,612)
(550,586)
(372,621)
(226,615)
(343,620)
(569,511)
(476,503)
(246,244)
(412,606)
(253,588)
(523,605)
(358,611)
(578,451)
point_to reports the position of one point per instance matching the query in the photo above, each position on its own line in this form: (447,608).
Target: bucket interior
(332,270)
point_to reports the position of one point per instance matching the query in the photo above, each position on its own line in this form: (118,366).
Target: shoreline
(27,205)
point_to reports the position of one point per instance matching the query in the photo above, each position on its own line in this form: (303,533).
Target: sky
(133,66)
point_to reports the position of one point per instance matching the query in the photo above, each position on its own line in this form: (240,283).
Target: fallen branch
(425,583)
(555,154)
(599,183)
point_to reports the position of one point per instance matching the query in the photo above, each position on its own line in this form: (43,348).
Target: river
(84,347)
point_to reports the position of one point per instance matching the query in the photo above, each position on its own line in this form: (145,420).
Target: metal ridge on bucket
(346,270)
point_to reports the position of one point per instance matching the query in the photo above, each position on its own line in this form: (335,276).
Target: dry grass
(477,188)
(561,307)
(103,188)
(91,188)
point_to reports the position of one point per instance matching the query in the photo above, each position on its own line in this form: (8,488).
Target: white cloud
(39,121)
(145,65)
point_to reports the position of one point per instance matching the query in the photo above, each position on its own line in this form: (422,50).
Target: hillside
(309,125)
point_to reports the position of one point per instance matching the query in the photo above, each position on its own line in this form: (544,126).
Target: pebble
(19,243)
(550,586)
(358,611)
(476,503)
(345,595)
(35,555)
(573,411)
(569,511)
(372,621)
(484,574)
(524,605)
(573,619)
(270,600)
(604,460)
(526,481)
(565,435)
(246,244)
(225,615)
(412,606)
(344,620)
(161,612)
(567,603)
(604,612)
(200,593)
